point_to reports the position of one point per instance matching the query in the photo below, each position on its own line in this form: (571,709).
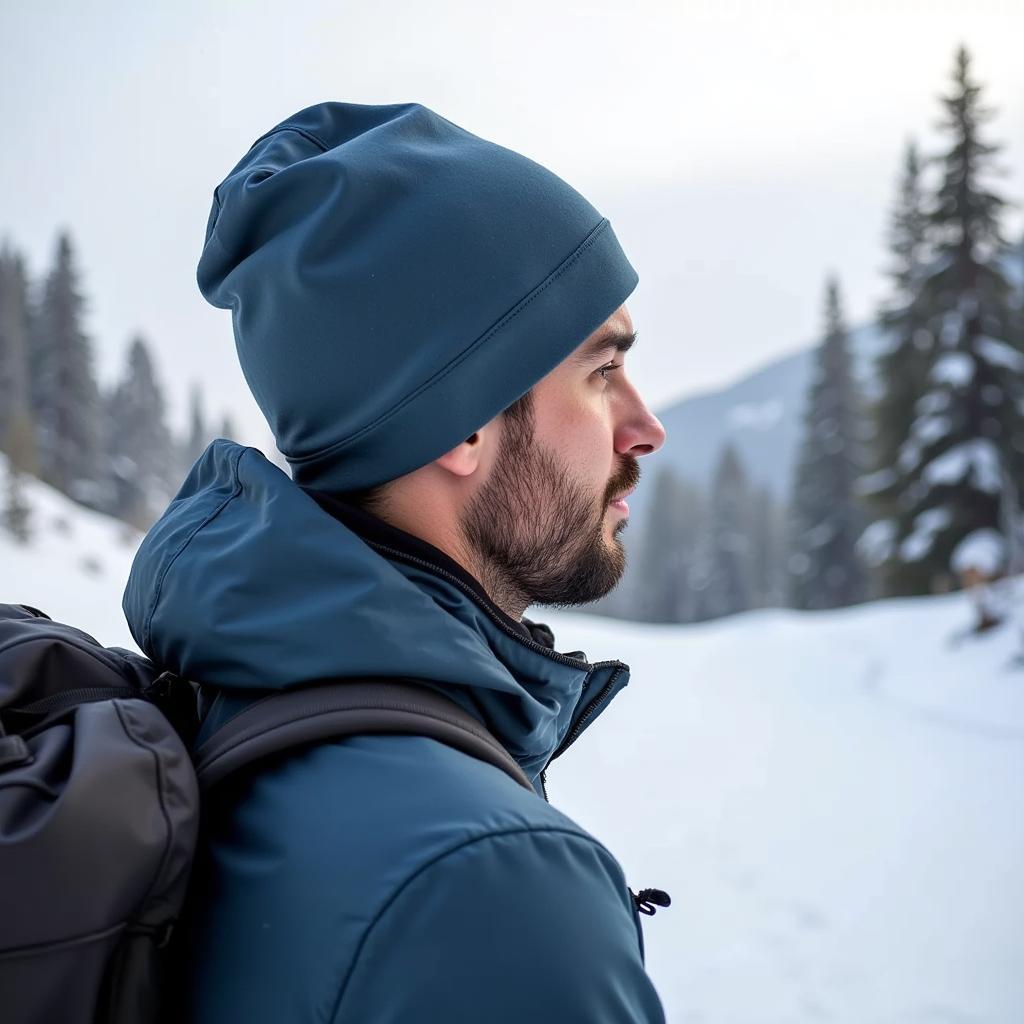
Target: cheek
(578,428)
(588,450)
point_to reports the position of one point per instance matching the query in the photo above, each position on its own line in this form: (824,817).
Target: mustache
(626,480)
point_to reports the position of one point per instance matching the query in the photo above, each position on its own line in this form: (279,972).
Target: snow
(1000,354)
(979,455)
(929,429)
(953,368)
(756,415)
(875,544)
(932,402)
(919,541)
(909,455)
(983,550)
(873,483)
(74,567)
(952,327)
(832,799)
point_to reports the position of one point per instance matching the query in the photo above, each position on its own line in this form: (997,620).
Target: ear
(466,458)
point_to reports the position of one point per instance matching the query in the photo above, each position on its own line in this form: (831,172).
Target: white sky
(741,150)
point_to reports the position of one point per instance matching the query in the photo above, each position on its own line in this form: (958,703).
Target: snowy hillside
(833,800)
(75,566)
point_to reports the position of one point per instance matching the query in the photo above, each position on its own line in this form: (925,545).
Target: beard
(537,533)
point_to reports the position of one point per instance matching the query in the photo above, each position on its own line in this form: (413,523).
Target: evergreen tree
(227,428)
(15,513)
(768,545)
(826,519)
(900,370)
(66,399)
(730,588)
(199,435)
(139,443)
(20,444)
(666,552)
(966,437)
(15,404)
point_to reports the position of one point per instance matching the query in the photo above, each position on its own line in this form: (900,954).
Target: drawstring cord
(646,899)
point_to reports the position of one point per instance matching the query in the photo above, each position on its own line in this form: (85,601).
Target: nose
(640,433)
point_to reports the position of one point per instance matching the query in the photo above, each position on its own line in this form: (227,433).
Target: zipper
(69,698)
(437,570)
(592,708)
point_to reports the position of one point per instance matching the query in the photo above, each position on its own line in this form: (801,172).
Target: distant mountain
(761,415)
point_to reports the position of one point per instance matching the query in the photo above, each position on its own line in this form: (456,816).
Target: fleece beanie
(395,282)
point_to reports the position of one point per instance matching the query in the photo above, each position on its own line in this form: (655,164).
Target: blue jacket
(378,878)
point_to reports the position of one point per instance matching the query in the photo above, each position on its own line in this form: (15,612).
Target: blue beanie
(395,282)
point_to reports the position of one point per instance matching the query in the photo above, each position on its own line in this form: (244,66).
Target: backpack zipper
(70,698)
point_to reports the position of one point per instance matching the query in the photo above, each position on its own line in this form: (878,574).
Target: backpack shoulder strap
(352,708)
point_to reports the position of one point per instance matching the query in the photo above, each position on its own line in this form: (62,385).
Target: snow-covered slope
(74,567)
(833,800)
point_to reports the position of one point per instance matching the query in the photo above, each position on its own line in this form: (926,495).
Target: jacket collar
(246,583)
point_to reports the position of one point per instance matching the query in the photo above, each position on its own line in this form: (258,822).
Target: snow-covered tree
(65,396)
(139,445)
(966,436)
(826,517)
(901,369)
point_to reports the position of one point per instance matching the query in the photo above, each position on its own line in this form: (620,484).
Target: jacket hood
(245,583)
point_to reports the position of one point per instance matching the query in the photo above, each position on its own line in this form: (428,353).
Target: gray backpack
(99,806)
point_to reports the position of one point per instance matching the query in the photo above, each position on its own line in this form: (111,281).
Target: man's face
(543,519)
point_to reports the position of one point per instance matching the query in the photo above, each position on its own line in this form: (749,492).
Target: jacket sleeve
(524,925)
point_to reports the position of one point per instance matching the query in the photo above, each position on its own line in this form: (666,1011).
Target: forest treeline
(110,449)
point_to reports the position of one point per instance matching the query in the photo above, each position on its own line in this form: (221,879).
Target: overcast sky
(741,150)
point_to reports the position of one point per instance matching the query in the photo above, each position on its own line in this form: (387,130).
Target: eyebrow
(620,341)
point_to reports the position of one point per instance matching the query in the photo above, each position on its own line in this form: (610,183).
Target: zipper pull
(646,899)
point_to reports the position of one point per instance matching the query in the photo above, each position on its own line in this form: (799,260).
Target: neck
(499,588)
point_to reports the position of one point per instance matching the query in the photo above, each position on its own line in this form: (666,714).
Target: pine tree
(967,433)
(15,402)
(227,428)
(730,588)
(768,543)
(666,553)
(825,517)
(139,443)
(66,398)
(198,434)
(900,370)
(15,513)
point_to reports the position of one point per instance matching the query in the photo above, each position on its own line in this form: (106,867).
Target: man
(435,329)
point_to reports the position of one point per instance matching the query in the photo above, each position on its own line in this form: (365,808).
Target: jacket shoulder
(301,863)
(525,924)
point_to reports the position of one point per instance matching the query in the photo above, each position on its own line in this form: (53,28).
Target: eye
(608,369)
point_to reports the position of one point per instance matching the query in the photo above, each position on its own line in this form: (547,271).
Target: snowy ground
(833,800)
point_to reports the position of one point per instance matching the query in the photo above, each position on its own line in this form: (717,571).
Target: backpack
(100,795)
